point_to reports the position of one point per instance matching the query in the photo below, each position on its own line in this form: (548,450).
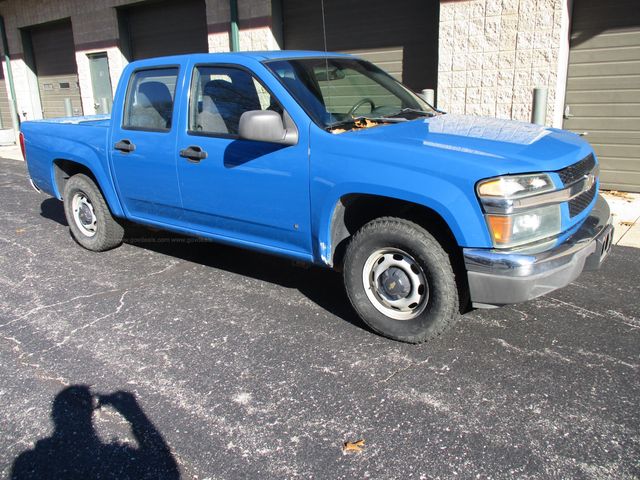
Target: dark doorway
(170,27)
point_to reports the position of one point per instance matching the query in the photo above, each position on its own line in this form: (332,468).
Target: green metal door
(100,82)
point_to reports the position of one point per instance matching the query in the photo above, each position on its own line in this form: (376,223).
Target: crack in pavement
(404,369)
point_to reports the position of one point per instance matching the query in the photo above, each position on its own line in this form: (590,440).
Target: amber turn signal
(500,228)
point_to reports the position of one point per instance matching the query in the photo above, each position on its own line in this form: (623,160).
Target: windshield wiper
(411,110)
(355,121)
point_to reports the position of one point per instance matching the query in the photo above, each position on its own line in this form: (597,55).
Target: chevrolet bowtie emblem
(589,180)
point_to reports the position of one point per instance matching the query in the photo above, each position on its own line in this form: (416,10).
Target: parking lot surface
(232,364)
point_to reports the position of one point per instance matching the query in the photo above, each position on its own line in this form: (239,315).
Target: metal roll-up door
(55,65)
(603,87)
(401,40)
(5,103)
(156,29)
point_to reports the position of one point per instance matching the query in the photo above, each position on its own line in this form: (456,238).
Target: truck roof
(283,54)
(254,55)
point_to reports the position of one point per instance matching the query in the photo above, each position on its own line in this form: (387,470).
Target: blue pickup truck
(326,159)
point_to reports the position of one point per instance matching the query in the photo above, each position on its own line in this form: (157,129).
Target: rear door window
(150,100)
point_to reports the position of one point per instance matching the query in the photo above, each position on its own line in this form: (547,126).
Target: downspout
(235,36)
(15,119)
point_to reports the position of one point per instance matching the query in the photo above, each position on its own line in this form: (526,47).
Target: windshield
(336,90)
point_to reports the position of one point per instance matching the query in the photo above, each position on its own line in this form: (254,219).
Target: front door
(143,147)
(250,191)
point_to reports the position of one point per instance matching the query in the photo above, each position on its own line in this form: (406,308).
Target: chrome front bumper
(499,277)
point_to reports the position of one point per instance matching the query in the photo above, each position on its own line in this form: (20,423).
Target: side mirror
(267,126)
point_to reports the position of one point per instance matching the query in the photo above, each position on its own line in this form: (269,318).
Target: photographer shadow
(74,450)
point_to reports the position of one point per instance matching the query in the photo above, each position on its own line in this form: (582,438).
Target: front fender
(460,213)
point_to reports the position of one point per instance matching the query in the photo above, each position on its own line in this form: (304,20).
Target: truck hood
(505,146)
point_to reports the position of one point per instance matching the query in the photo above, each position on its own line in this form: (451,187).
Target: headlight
(526,227)
(512,218)
(516,186)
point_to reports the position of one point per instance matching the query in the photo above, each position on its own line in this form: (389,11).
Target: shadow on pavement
(53,209)
(74,450)
(322,286)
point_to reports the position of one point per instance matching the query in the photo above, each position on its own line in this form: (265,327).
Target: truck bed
(80,139)
(94,120)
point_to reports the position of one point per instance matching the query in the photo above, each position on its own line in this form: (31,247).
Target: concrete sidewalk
(11,151)
(625,208)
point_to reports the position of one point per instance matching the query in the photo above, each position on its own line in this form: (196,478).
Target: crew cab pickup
(326,159)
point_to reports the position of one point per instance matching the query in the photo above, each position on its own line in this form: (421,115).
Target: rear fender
(91,157)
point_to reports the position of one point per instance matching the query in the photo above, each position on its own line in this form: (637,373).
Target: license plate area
(604,243)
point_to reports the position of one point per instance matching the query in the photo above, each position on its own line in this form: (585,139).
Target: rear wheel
(400,280)
(88,215)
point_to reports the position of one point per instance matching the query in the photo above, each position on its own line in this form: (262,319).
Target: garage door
(5,104)
(173,27)
(603,86)
(403,41)
(55,65)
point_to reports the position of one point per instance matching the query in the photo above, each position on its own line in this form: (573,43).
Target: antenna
(326,60)
(324,27)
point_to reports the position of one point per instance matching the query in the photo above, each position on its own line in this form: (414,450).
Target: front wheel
(88,215)
(400,280)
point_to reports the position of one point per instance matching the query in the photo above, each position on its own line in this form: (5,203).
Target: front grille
(575,172)
(579,203)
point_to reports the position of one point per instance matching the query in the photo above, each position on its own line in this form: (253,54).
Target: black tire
(437,310)
(108,233)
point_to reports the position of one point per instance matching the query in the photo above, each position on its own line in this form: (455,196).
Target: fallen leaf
(365,123)
(20,230)
(616,193)
(356,446)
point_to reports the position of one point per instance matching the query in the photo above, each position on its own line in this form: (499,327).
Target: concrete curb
(625,208)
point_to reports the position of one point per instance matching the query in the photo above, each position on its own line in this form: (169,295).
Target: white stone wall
(260,38)
(255,25)
(219,42)
(492,53)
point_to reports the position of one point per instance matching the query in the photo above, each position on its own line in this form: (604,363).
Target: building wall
(492,53)
(95,29)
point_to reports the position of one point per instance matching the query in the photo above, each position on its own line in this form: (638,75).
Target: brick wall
(492,53)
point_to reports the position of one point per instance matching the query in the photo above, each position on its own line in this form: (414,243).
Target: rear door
(143,145)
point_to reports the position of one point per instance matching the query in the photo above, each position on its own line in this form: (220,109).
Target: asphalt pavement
(173,357)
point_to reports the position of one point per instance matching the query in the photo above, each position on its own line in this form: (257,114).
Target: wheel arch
(65,168)
(354,210)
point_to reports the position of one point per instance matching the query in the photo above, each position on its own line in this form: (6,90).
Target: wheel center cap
(85,214)
(394,283)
